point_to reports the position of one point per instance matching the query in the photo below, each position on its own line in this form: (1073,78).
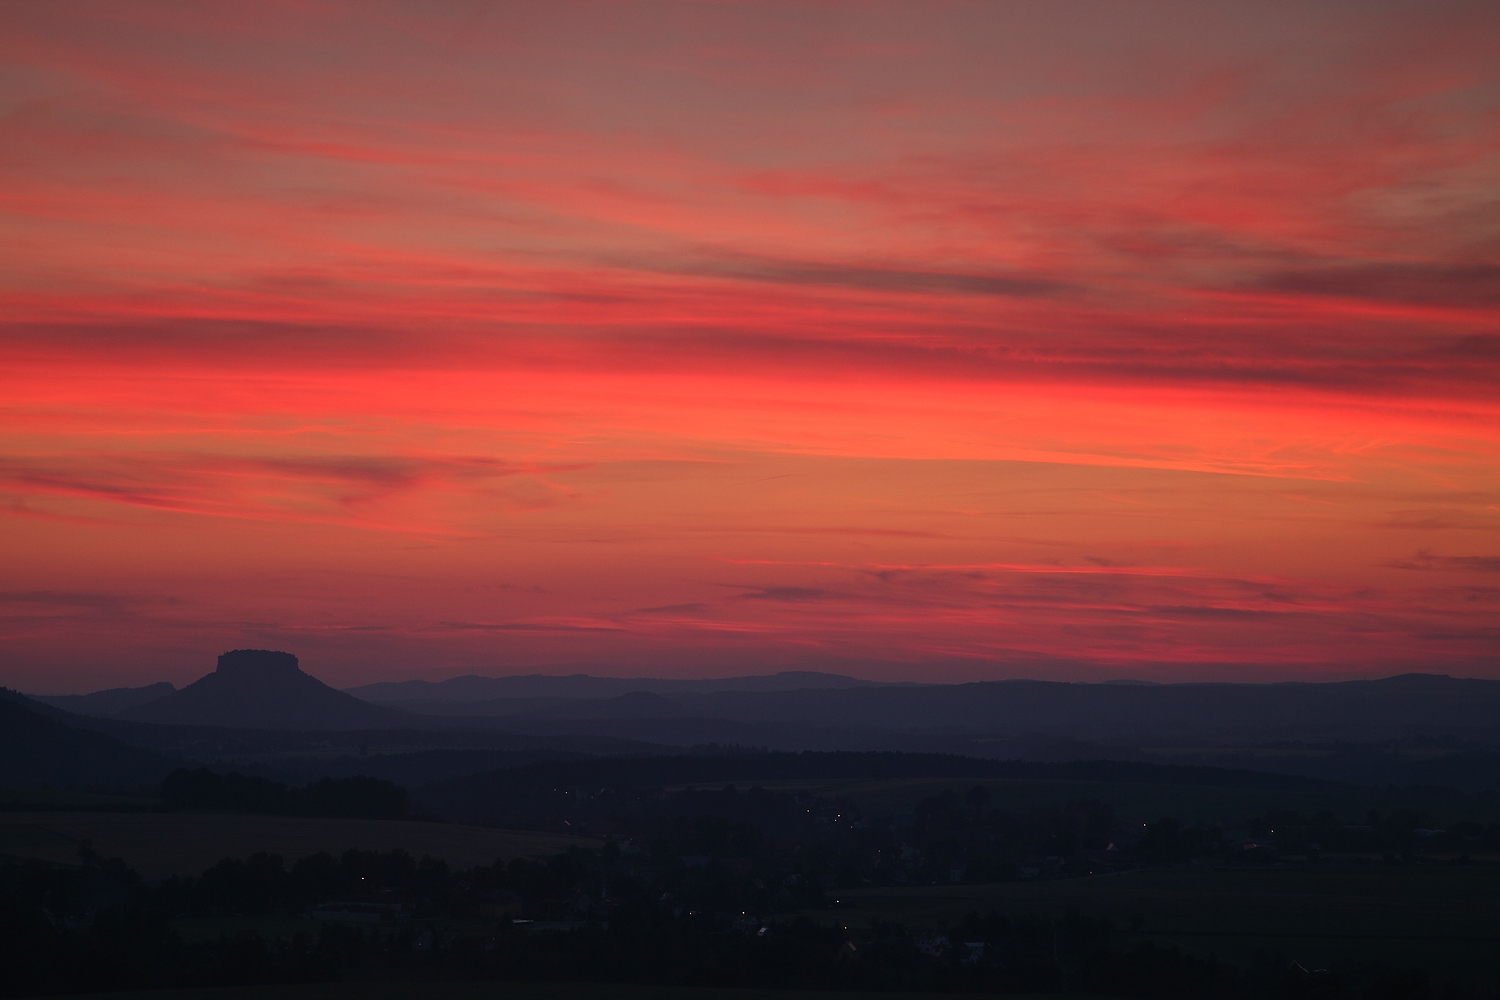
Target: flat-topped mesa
(264,689)
(257,663)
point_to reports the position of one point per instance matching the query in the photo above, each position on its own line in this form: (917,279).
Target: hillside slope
(39,750)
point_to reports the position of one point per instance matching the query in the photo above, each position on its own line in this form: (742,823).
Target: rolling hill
(107,703)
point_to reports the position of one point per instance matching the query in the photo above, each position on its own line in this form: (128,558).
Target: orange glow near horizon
(912,342)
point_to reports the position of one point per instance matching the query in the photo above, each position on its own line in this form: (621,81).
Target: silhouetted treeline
(100,928)
(710,887)
(357,797)
(493,797)
(580,916)
(1399,834)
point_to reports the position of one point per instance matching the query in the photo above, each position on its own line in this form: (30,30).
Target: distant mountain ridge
(1365,709)
(472,688)
(804,710)
(261,712)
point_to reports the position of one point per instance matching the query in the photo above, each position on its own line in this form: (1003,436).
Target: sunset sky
(943,341)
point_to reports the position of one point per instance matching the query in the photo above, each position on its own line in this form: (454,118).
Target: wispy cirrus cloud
(1424,560)
(1456,284)
(888,277)
(318,488)
(518,627)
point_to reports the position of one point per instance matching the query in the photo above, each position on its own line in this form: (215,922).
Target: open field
(1140,802)
(504,991)
(1439,916)
(160,845)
